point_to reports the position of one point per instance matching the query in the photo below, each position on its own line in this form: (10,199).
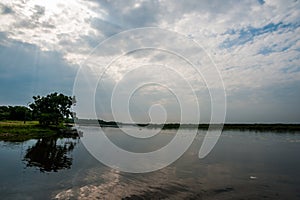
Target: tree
(19,113)
(51,109)
(15,113)
(4,112)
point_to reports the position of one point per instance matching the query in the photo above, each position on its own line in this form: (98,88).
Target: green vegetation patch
(20,131)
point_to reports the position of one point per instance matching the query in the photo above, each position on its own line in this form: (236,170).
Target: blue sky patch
(249,33)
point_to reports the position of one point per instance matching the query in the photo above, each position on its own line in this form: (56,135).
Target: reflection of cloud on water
(209,181)
(117,185)
(294,141)
(202,181)
(225,174)
(91,191)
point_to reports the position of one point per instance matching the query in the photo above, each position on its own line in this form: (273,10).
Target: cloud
(25,71)
(6,9)
(268,104)
(255,45)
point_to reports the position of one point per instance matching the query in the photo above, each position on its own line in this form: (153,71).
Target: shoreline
(291,127)
(18,131)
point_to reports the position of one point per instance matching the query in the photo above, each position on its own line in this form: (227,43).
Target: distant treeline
(15,113)
(252,127)
(92,122)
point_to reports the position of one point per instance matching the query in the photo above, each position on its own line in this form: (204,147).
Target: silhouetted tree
(51,109)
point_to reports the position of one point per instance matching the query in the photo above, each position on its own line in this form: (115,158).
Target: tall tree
(51,109)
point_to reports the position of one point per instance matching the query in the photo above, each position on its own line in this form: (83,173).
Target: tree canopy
(51,109)
(15,113)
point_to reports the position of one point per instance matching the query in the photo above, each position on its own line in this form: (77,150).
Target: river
(242,165)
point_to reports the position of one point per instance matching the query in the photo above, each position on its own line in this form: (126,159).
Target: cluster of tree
(15,113)
(51,109)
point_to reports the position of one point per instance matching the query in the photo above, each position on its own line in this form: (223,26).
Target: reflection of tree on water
(50,154)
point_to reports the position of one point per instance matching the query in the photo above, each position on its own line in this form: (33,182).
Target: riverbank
(249,127)
(18,131)
(274,127)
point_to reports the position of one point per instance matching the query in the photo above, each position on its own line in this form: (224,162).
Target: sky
(254,46)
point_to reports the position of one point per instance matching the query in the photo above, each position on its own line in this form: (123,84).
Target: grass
(17,131)
(18,123)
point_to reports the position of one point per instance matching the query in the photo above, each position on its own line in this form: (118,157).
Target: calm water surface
(243,165)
